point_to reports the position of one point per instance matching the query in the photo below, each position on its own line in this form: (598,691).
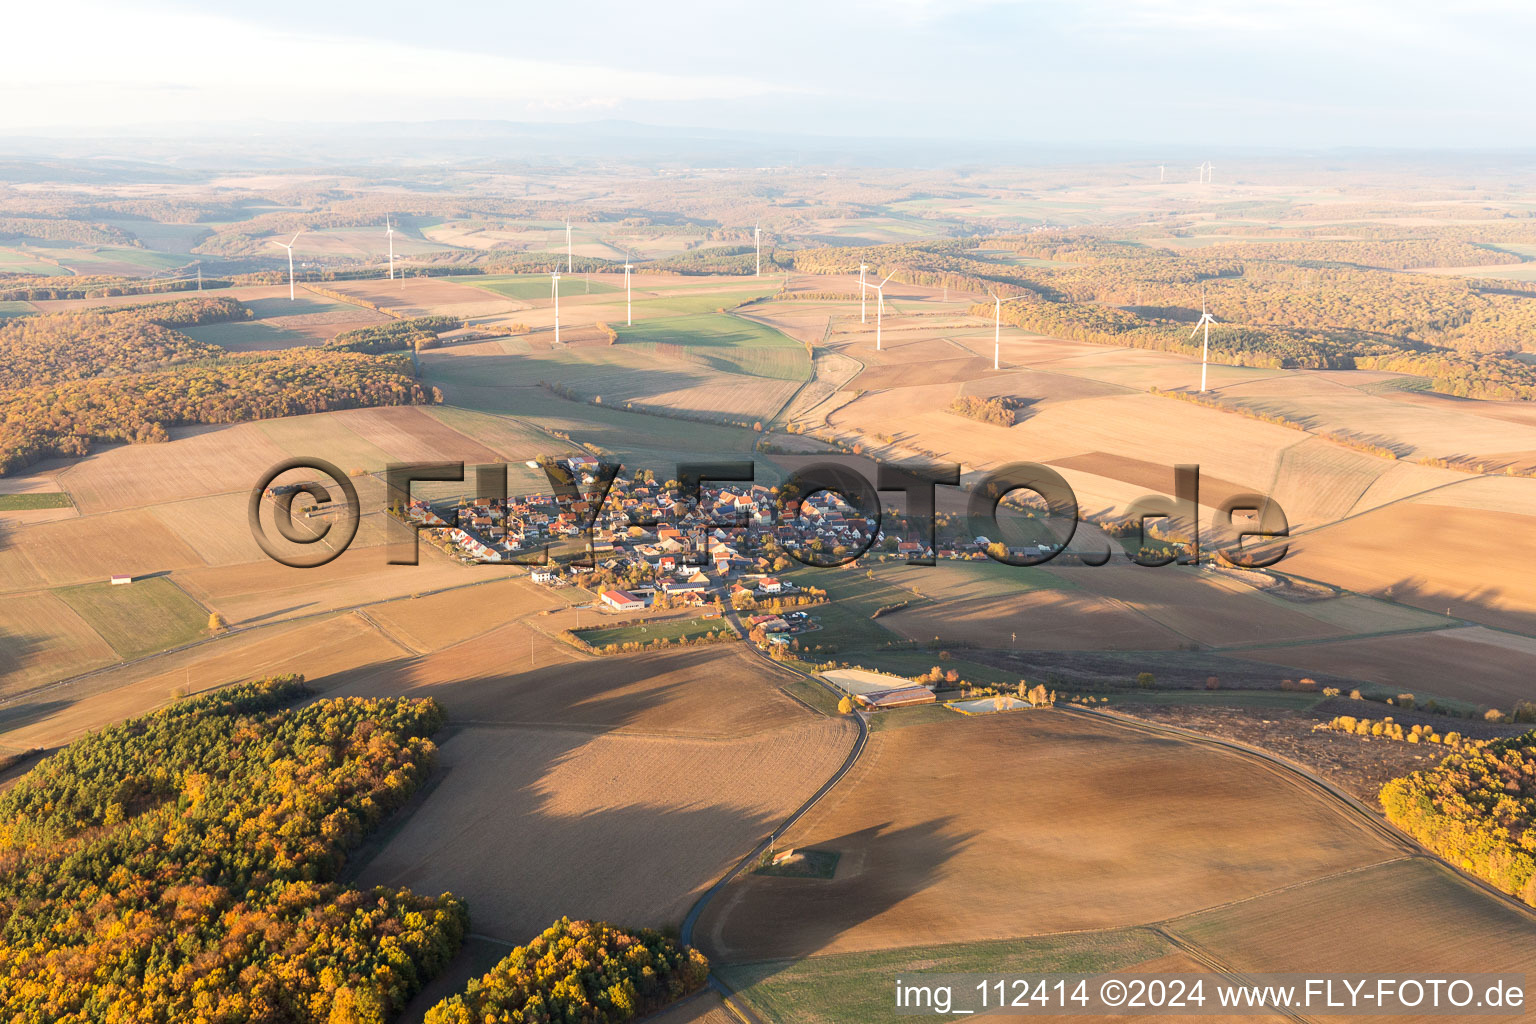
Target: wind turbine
(199,277)
(1160,177)
(880,305)
(629,305)
(389,229)
(569,266)
(289,246)
(997,328)
(757,239)
(1205,349)
(863,268)
(1210,175)
(554,291)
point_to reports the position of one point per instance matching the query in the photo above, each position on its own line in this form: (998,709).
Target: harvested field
(1428,556)
(1149,476)
(266,590)
(43,639)
(723,342)
(410,434)
(716,692)
(642,825)
(1379,919)
(922,372)
(423,296)
(92,548)
(1201,605)
(327,651)
(1057,620)
(1473,664)
(1072,823)
(441,620)
(197,461)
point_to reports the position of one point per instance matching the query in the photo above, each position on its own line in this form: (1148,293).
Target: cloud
(110,62)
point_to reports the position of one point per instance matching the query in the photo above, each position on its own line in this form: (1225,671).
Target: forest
(181,866)
(584,971)
(100,342)
(1477,809)
(67,418)
(400,335)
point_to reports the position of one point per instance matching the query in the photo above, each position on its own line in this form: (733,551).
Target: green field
(812,693)
(650,632)
(703,302)
(303,304)
(854,988)
(141,618)
(16,308)
(12,262)
(1279,699)
(723,342)
(247,336)
(534,286)
(36,499)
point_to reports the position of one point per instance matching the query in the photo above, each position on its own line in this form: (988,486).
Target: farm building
(621,600)
(902,698)
(120,578)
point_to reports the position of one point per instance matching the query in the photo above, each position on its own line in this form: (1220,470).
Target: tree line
(1477,809)
(579,971)
(181,866)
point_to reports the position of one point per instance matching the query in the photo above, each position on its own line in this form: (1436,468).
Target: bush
(1146,681)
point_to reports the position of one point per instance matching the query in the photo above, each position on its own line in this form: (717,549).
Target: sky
(1291,74)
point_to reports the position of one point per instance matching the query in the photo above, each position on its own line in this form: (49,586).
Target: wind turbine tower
(880,305)
(629,306)
(389,230)
(863,269)
(1160,174)
(757,239)
(1205,349)
(570,267)
(997,329)
(554,291)
(289,246)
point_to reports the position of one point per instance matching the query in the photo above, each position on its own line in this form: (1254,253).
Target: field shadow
(773,921)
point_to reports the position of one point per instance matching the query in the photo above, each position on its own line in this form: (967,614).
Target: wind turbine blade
(887,278)
(1197,327)
(295,237)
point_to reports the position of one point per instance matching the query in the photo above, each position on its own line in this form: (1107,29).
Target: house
(770,585)
(543,574)
(621,600)
(120,578)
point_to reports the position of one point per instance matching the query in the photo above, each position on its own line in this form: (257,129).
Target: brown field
(1061,620)
(1200,605)
(1380,919)
(328,651)
(517,676)
(197,461)
(955,829)
(264,590)
(92,548)
(1149,476)
(421,296)
(441,620)
(1429,556)
(409,434)
(1472,663)
(42,639)
(625,828)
